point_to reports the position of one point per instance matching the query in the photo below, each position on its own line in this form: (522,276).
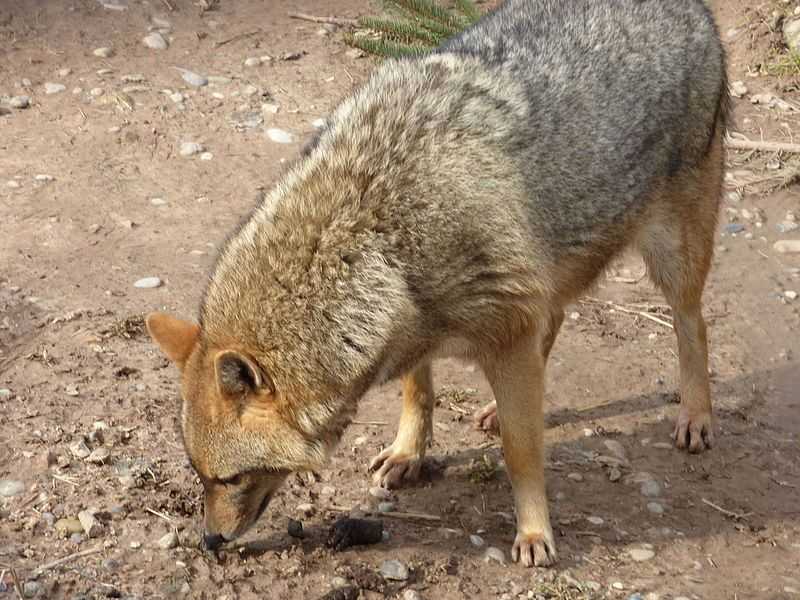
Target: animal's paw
(486,419)
(537,549)
(693,431)
(393,467)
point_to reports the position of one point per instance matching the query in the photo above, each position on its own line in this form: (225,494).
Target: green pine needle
(407,32)
(385,47)
(469,10)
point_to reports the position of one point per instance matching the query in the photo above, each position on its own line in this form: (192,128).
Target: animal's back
(620,93)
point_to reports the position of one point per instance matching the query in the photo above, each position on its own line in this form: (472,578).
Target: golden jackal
(454,205)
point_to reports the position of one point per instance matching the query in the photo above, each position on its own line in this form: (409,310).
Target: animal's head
(242,432)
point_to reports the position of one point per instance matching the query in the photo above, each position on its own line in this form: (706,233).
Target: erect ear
(238,375)
(175,337)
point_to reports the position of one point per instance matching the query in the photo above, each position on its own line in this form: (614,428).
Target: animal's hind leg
(486,417)
(677,245)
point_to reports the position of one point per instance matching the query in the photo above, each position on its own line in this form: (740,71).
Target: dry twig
(728,513)
(330,20)
(737,144)
(238,37)
(641,313)
(66,559)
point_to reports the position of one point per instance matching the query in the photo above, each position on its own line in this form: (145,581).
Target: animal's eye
(235,480)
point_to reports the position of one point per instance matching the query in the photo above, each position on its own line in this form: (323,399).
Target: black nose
(212,541)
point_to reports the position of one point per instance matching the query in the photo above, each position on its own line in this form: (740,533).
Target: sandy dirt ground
(95,194)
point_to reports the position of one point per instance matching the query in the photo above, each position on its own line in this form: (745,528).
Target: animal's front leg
(403,459)
(517,379)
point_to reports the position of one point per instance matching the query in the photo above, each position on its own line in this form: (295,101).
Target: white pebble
(103,52)
(155,41)
(394,570)
(494,554)
(54,88)
(640,554)
(655,508)
(318,123)
(11,487)
(206,156)
(280,136)
(190,148)
(98,91)
(253,61)
(575,477)
(177,97)
(595,520)
(157,201)
(43,177)
(19,102)
(13,184)
(147,283)
(476,540)
(790,295)
(64,72)
(787,246)
(192,78)
(168,541)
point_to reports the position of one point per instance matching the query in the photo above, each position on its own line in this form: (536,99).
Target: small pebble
(494,554)
(31,589)
(43,178)
(54,88)
(206,156)
(386,507)
(734,228)
(147,283)
(614,474)
(411,595)
(655,508)
(790,295)
(650,488)
(575,477)
(253,61)
(176,97)
(98,91)
(168,541)
(69,526)
(641,554)
(79,449)
(193,79)
(5,392)
(616,449)
(64,72)
(339,582)
(91,526)
(19,102)
(249,90)
(595,520)
(306,508)
(155,41)
(476,540)
(269,108)
(103,52)
(98,456)
(617,585)
(280,136)
(11,487)
(379,492)
(738,89)
(318,123)
(158,201)
(787,246)
(135,545)
(190,148)
(394,570)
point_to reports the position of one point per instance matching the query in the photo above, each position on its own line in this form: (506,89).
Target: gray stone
(385,507)
(79,449)
(614,474)
(190,148)
(394,570)
(655,508)
(595,520)
(155,41)
(147,283)
(31,589)
(168,541)
(494,554)
(650,488)
(616,449)
(11,487)
(476,540)
(19,102)
(641,554)
(280,136)
(54,88)
(575,477)
(193,79)
(91,526)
